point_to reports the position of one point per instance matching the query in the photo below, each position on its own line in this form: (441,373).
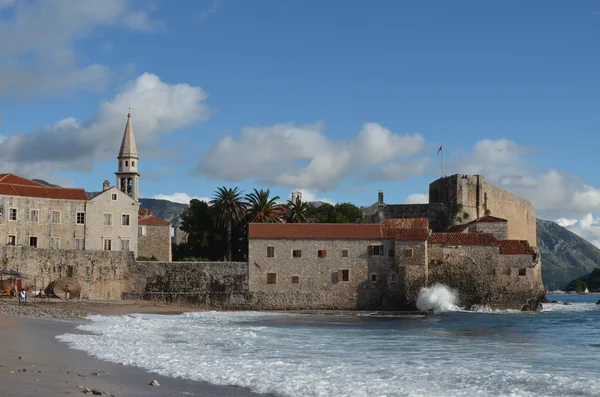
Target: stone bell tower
(127,176)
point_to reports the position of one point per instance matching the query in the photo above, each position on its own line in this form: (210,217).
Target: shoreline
(35,363)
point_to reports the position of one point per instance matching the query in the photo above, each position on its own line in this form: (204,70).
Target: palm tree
(262,208)
(298,211)
(228,208)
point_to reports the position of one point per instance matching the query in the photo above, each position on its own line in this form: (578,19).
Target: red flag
(441,149)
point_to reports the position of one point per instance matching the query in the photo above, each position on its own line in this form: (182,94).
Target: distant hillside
(164,209)
(565,255)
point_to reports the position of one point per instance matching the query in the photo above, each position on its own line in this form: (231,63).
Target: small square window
(81,218)
(295,279)
(374,277)
(33,242)
(12,240)
(271,278)
(12,214)
(322,253)
(408,253)
(114,197)
(376,250)
(270,252)
(34,216)
(344,253)
(296,254)
(125,220)
(522,272)
(345,273)
(391,253)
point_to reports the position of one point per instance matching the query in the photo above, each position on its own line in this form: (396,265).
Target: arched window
(133,163)
(126,162)
(394,277)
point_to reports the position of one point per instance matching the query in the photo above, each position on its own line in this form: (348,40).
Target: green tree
(298,211)
(261,208)
(228,209)
(204,240)
(340,213)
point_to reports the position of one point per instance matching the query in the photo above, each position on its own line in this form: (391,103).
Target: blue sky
(339,99)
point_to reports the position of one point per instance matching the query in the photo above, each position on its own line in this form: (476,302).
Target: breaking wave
(437,298)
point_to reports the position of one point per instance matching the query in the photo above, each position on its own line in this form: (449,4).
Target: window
(344,253)
(81,218)
(133,163)
(69,271)
(391,253)
(408,253)
(270,252)
(394,277)
(322,253)
(295,279)
(54,242)
(141,230)
(114,197)
(79,243)
(12,240)
(335,277)
(33,242)
(374,277)
(522,272)
(34,216)
(271,278)
(345,273)
(12,214)
(125,220)
(124,245)
(107,244)
(126,163)
(55,217)
(107,219)
(376,250)
(296,254)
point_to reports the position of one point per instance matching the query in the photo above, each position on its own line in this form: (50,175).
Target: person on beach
(67,292)
(22,297)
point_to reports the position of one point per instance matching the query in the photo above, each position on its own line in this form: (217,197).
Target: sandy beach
(34,363)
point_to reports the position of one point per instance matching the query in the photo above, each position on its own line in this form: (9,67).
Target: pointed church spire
(128,148)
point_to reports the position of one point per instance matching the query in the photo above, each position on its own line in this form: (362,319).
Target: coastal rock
(154,383)
(598,303)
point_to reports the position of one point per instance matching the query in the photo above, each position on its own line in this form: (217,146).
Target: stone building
(36,215)
(459,199)
(366,266)
(154,236)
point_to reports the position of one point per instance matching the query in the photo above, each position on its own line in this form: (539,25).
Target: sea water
(452,353)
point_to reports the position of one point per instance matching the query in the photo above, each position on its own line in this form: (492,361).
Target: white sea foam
(288,355)
(437,298)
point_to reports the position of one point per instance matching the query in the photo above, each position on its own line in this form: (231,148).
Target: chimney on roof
(380,205)
(105,185)
(380,197)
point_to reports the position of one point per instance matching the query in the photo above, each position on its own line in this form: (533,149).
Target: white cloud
(587,227)
(303,156)
(182,198)
(158,109)
(39,58)
(209,11)
(417,198)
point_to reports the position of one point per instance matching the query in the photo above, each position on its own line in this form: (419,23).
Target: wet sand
(34,363)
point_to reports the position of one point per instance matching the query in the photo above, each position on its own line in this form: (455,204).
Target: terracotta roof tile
(345,231)
(488,219)
(153,221)
(515,247)
(43,192)
(407,223)
(144,213)
(463,239)
(13,179)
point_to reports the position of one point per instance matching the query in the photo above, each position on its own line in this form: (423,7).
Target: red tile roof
(489,219)
(153,221)
(345,231)
(42,192)
(463,239)
(144,213)
(13,179)
(515,247)
(406,223)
